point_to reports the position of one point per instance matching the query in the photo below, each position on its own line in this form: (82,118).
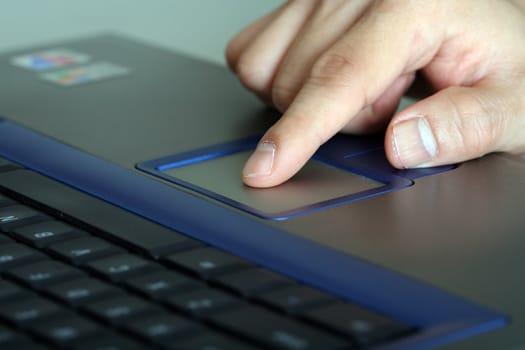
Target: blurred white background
(199,27)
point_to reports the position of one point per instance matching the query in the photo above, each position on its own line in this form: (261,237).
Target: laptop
(124,223)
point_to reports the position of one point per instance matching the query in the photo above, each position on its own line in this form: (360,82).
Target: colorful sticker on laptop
(49,59)
(85,74)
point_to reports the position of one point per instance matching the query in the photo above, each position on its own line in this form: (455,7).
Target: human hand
(342,65)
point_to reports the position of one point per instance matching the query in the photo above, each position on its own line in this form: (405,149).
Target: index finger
(352,74)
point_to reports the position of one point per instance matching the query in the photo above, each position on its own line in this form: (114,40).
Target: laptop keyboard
(79,273)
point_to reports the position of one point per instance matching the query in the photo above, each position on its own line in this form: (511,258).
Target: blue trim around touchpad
(344,170)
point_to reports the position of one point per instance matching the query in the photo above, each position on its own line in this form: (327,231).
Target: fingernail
(261,161)
(414,142)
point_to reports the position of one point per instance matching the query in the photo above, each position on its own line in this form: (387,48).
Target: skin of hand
(343,65)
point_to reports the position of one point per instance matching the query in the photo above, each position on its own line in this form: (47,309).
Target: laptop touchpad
(327,180)
(343,170)
(316,183)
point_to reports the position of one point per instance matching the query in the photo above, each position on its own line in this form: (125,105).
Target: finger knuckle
(251,75)
(477,122)
(333,69)
(283,94)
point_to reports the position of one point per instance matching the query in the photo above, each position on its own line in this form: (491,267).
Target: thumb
(454,125)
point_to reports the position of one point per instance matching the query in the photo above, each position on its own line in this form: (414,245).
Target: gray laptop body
(164,137)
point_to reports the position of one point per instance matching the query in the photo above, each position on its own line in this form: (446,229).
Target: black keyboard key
(18,215)
(276,331)
(9,290)
(45,233)
(162,328)
(251,282)
(120,309)
(12,340)
(6,201)
(123,266)
(161,283)
(107,340)
(364,326)
(294,299)
(202,302)
(30,309)
(81,250)
(207,262)
(129,228)
(44,273)
(5,240)
(83,290)
(210,340)
(12,255)
(65,330)
(6,335)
